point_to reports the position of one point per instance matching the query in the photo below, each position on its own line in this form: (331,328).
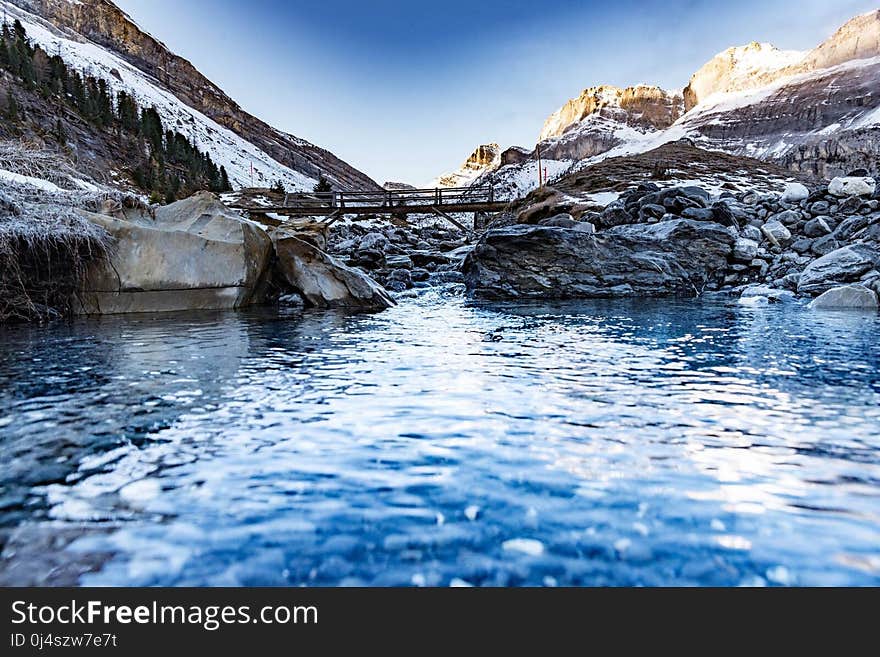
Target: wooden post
(538,153)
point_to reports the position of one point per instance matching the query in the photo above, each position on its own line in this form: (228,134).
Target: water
(445,442)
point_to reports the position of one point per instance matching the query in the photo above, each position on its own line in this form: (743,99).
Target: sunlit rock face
(739,69)
(484,158)
(641,106)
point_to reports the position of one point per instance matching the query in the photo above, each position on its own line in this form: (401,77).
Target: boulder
(615,214)
(398,262)
(852,186)
(752,233)
(846,297)
(776,233)
(194,254)
(786,217)
(824,245)
(566,221)
(322,280)
(698,214)
(795,193)
(817,227)
(374,242)
(844,265)
(563,220)
(745,250)
(675,257)
(850,226)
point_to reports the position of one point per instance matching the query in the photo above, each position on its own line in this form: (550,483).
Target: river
(445,442)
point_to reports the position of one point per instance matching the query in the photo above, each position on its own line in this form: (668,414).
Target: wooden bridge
(399,202)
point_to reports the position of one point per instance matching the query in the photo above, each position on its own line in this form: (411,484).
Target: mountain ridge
(109,27)
(813,111)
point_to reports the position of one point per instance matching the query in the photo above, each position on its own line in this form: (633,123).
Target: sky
(404,91)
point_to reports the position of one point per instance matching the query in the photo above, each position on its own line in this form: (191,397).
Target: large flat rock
(673,257)
(194,254)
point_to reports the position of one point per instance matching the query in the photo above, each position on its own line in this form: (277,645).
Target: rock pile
(804,241)
(402,257)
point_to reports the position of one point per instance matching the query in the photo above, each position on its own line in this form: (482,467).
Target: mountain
(815,112)
(485,157)
(98,37)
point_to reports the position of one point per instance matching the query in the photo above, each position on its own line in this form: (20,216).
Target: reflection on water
(445,442)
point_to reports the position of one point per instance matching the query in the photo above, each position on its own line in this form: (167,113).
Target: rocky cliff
(485,157)
(815,112)
(104,24)
(640,106)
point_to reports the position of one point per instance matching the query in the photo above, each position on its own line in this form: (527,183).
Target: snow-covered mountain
(816,112)
(485,157)
(98,38)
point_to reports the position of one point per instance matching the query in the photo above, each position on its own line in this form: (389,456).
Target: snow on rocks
(794,193)
(852,186)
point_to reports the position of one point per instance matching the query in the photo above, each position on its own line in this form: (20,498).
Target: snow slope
(225,147)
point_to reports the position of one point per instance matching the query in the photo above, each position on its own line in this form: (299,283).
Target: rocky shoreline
(819,244)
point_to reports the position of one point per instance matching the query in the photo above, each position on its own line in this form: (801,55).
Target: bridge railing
(440,196)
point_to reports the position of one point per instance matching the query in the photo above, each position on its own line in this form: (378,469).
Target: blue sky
(405,90)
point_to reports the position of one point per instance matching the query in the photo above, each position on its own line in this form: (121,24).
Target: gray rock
(869,234)
(824,245)
(752,233)
(401,276)
(852,186)
(817,227)
(772,294)
(698,214)
(652,210)
(745,250)
(195,254)
(776,233)
(564,220)
(802,245)
(398,262)
(842,266)
(846,297)
(615,214)
(850,226)
(291,301)
(374,242)
(820,208)
(324,281)
(786,218)
(790,281)
(670,258)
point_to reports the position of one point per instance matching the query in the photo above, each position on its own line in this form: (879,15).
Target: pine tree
(323,185)
(11,108)
(60,133)
(278,187)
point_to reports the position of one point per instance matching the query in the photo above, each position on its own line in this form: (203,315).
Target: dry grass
(46,244)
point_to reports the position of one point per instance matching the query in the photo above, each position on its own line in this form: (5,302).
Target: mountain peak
(640,104)
(738,69)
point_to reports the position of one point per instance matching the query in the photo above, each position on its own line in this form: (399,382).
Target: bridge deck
(401,202)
